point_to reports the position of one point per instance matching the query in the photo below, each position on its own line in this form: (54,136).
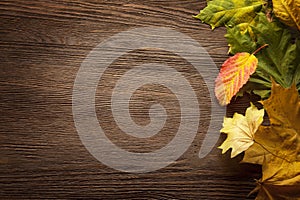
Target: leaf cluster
(252,24)
(276,147)
(265,41)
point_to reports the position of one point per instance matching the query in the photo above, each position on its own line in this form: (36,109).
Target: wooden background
(43,43)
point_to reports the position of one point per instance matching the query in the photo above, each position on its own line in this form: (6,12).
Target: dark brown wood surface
(42,44)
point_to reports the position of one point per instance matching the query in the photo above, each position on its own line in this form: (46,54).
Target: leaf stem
(260,48)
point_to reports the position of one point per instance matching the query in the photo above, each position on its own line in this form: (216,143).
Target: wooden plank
(43,44)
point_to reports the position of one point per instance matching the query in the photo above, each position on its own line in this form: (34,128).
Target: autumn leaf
(230,12)
(282,137)
(240,130)
(288,11)
(234,73)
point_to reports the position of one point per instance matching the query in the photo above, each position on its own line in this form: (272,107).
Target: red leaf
(234,73)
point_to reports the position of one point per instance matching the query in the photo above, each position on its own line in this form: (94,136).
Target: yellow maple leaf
(288,11)
(277,147)
(240,130)
(282,137)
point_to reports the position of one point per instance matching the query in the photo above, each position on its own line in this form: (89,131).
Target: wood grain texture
(43,44)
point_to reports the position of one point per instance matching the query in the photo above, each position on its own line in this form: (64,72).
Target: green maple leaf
(281,55)
(280,60)
(230,12)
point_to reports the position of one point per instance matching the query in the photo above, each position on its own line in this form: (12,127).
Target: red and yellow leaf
(234,73)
